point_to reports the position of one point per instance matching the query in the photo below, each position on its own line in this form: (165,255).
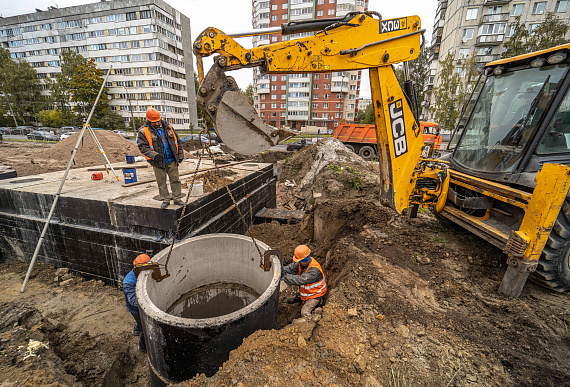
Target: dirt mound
(327,170)
(114,145)
(213,180)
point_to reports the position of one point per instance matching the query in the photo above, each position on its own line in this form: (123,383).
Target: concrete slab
(99,226)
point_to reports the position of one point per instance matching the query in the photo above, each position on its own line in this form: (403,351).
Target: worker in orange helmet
(306,272)
(161,147)
(129,288)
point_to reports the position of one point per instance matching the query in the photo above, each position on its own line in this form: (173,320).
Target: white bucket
(197,189)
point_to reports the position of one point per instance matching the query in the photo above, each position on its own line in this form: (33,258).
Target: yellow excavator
(505,179)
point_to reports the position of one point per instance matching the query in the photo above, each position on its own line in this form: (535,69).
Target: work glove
(158,158)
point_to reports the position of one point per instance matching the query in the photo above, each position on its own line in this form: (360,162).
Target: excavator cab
(519,123)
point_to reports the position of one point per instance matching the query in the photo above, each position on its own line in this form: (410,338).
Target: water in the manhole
(217,299)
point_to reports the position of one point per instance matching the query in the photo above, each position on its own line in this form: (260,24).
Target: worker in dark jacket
(129,287)
(309,276)
(161,147)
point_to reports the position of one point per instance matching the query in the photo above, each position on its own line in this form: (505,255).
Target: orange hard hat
(141,259)
(152,115)
(301,252)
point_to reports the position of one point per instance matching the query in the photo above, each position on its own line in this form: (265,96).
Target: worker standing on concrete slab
(309,276)
(161,147)
(129,287)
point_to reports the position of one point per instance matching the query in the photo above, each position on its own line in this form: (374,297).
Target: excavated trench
(216,295)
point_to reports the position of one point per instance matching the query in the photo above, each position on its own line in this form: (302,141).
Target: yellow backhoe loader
(505,180)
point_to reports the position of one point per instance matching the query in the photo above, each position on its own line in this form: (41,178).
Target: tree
(249,92)
(419,72)
(56,118)
(369,115)
(20,88)
(550,33)
(448,94)
(108,120)
(360,116)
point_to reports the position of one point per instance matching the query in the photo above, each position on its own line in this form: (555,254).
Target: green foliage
(108,120)
(419,72)
(398,378)
(249,92)
(452,90)
(360,116)
(55,118)
(369,115)
(139,121)
(20,88)
(550,33)
(337,170)
(357,183)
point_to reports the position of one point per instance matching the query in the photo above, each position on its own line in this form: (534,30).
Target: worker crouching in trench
(306,273)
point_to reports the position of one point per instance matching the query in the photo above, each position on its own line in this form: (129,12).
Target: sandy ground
(410,302)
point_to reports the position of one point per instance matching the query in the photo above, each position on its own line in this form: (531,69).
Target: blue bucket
(130,175)
(130,159)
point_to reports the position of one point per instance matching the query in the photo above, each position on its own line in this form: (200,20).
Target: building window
(321,2)
(283,77)
(314,115)
(325,96)
(274,7)
(262,114)
(273,106)
(467,34)
(284,16)
(315,96)
(532,27)
(284,6)
(510,30)
(494,10)
(331,1)
(539,8)
(283,96)
(472,13)
(327,76)
(274,78)
(320,12)
(325,115)
(331,11)
(315,106)
(561,6)
(274,38)
(315,86)
(131,15)
(283,87)
(517,10)
(316,76)
(490,29)
(263,106)
(273,96)
(274,17)
(327,86)
(326,106)
(273,87)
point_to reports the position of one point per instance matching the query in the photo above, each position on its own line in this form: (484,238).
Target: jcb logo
(392,25)
(398,127)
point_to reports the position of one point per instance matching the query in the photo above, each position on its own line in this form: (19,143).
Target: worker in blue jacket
(129,287)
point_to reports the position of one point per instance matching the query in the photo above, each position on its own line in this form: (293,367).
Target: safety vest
(314,290)
(149,139)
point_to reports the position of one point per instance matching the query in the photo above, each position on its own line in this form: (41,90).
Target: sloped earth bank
(408,302)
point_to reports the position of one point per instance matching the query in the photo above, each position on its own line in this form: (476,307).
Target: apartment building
(464,27)
(298,100)
(147,43)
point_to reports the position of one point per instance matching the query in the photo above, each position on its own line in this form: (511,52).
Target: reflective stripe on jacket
(314,290)
(148,136)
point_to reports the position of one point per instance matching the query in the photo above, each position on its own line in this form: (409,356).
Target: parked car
(122,133)
(4,130)
(297,145)
(66,135)
(22,130)
(67,129)
(203,138)
(42,135)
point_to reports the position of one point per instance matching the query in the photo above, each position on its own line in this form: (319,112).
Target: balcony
(263,89)
(339,87)
(497,2)
(486,58)
(498,17)
(489,40)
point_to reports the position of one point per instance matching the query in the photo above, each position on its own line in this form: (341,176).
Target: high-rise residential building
(147,43)
(464,27)
(298,100)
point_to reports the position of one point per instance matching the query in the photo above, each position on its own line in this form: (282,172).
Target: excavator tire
(553,269)
(367,152)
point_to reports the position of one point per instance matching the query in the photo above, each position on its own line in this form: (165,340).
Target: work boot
(136,331)
(294,300)
(178,202)
(164,205)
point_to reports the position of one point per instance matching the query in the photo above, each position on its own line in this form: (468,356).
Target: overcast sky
(235,15)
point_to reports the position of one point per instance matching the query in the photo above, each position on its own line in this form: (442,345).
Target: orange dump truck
(361,138)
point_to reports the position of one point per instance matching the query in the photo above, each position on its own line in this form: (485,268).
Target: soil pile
(114,145)
(408,303)
(326,170)
(214,179)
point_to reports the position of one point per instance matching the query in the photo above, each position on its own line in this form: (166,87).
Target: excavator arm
(359,41)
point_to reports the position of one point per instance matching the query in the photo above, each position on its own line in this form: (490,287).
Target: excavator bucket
(235,119)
